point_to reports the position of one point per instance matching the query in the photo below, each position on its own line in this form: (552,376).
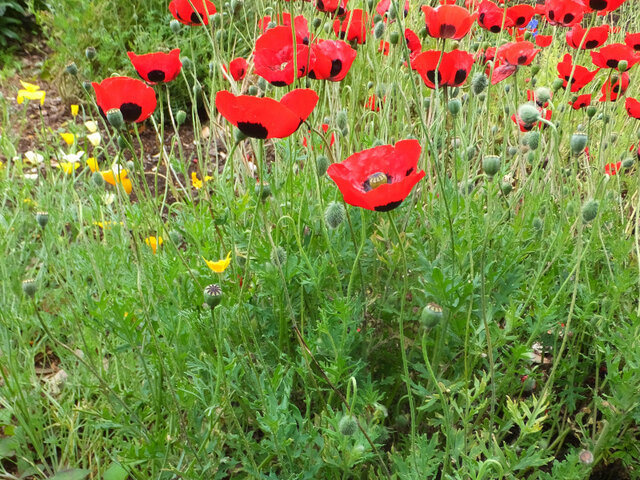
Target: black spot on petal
(195,18)
(568,18)
(130,111)
(156,76)
(336,67)
(388,206)
(254,130)
(612,63)
(447,31)
(409,172)
(495,29)
(590,44)
(461,76)
(278,83)
(598,4)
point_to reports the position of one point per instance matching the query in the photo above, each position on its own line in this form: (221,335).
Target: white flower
(33,157)
(91,126)
(94,138)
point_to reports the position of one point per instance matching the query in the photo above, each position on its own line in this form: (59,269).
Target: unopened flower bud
(623,66)
(528,113)
(589,211)
(454,106)
(578,142)
(491,165)
(29,287)
(181,116)
(334,215)
(115,119)
(278,256)
(322,164)
(175,26)
(348,425)
(479,83)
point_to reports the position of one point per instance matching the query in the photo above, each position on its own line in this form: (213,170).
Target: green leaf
(115,472)
(8,446)
(73,474)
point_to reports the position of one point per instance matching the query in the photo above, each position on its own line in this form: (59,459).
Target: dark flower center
(591,44)
(612,63)
(130,111)
(375,180)
(447,31)
(568,18)
(156,76)
(598,4)
(254,130)
(336,67)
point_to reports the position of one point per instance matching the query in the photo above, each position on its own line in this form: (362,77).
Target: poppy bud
(213,295)
(115,119)
(72,69)
(528,113)
(535,69)
(507,88)
(591,111)
(322,164)
(578,142)
(334,215)
(623,66)
(253,90)
(266,190)
(42,218)
(431,315)
(589,211)
(426,103)
(537,224)
(122,142)
(512,151)
(197,89)
(221,35)
(557,84)
(471,152)
(586,457)
(86,85)
(528,35)
(29,287)
(424,32)
(97,179)
(506,188)
(238,136)
(181,116)
(454,106)
(236,5)
(378,30)
(327,27)
(348,425)
(479,83)
(491,165)
(175,25)
(628,163)
(317,22)
(278,256)
(543,95)
(392,11)
(532,139)
(341,119)
(187,64)
(394,38)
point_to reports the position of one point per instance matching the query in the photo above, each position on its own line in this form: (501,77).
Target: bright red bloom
(610,55)
(543,40)
(581,101)
(413,41)
(238,68)
(383,7)
(333,60)
(603,6)
(379,178)
(448,21)
(384,48)
(135,99)
(612,168)
(491,17)
(581,75)
(339,7)
(265,117)
(633,107)
(633,40)
(614,87)
(453,70)
(353,27)
(374,103)
(274,57)
(192,12)
(588,38)
(510,56)
(521,15)
(564,12)
(157,67)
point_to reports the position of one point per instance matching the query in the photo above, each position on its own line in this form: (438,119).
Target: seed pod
(506,188)
(623,66)
(115,119)
(29,287)
(431,315)
(591,111)
(454,106)
(72,69)
(90,53)
(491,165)
(394,38)
(175,26)
(322,164)
(213,295)
(42,218)
(578,142)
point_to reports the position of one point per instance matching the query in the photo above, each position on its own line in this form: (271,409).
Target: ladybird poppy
(543,40)
(413,41)
(339,7)
(603,6)
(353,27)
(448,21)
(379,178)
(333,59)
(135,99)
(452,70)
(265,117)
(564,12)
(157,67)
(586,39)
(238,68)
(610,55)
(192,12)
(577,75)
(274,58)
(633,107)
(383,7)
(612,168)
(491,17)
(510,56)
(384,48)
(633,40)
(581,101)
(614,87)
(521,15)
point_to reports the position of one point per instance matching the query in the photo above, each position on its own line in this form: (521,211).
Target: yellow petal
(219,266)
(22,94)
(91,126)
(69,138)
(153,242)
(68,167)
(93,164)
(94,138)
(30,87)
(197,183)
(74,110)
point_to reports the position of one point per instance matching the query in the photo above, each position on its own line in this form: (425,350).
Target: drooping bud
(348,425)
(528,113)
(334,214)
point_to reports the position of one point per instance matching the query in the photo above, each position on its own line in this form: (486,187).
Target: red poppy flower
(581,101)
(603,6)
(157,67)
(612,168)
(526,127)
(339,7)
(135,99)
(521,15)
(610,55)
(192,12)
(353,27)
(384,48)
(413,41)
(614,87)
(238,68)
(274,57)
(383,7)
(588,38)
(543,40)
(564,12)
(374,103)
(531,96)
(581,75)
(510,56)
(333,60)
(448,21)
(491,17)
(379,178)
(453,70)
(265,117)
(633,107)
(633,40)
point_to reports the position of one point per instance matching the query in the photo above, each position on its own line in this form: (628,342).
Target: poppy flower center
(156,76)
(195,18)
(447,31)
(254,130)
(598,4)
(375,180)
(130,111)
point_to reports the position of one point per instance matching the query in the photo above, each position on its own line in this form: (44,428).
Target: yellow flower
(114,178)
(30,92)
(153,242)
(108,224)
(29,87)
(93,164)
(94,138)
(69,138)
(69,167)
(219,266)
(91,126)
(197,183)
(74,110)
